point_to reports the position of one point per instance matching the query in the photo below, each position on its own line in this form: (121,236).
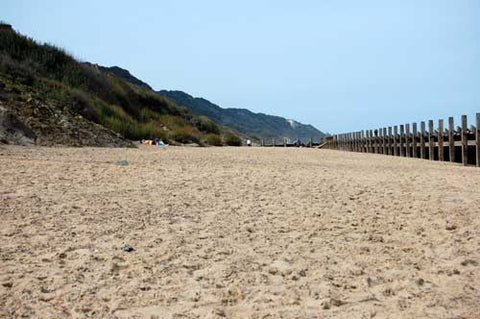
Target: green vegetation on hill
(101,95)
(124,74)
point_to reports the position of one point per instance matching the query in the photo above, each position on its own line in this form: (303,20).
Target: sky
(340,65)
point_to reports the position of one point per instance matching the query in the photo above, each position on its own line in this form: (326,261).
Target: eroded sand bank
(236,233)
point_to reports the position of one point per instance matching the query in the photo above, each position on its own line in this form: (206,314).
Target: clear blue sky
(337,64)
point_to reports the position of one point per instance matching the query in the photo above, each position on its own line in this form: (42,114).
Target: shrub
(213,139)
(205,124)
(18,72)
(172,121)
(185,135)
(233,140)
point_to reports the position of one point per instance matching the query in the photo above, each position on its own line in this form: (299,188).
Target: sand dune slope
(236,233)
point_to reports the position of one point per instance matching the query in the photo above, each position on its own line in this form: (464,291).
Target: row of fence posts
(285,142)
(401,141)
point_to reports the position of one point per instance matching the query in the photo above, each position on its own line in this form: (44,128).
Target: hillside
(84,104)
(26,118)
(124,74)
(254,125)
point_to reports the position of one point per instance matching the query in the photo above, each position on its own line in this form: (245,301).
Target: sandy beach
(236,233)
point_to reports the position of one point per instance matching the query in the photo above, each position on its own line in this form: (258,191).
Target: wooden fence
(285,143)
(461,144)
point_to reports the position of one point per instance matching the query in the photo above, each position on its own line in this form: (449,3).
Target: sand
(236,233)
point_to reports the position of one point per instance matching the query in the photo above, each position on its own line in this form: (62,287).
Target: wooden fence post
(352,142)
(440,140)
(372,132)
(379,139)
(367,141)
(414,140)
(407,139)
(372,141)
(477,139)
(390,150)
(402,138)
(359,134)
(359,141)
(431,140)
(422,140)
(451,140)
(356,141)
(395,139)
(464,141)
(362,140)
(384,135)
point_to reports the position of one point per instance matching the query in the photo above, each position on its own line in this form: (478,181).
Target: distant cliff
(254,125)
